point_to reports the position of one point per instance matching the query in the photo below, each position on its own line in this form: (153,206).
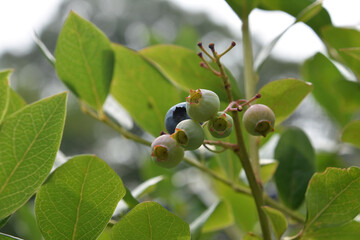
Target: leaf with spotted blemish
(29,141)
(149,220)
(78,199)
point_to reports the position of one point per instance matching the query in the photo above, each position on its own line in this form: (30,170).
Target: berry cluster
(183,123)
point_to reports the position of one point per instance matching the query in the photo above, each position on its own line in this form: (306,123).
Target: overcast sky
(19,18)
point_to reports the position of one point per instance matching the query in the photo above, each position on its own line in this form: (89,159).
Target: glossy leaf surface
(333,200)
(84,60)
(149,220)
(78,199)
(29,140)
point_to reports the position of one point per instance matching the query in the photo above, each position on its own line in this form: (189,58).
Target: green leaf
(348,231)
(277,220)
(242,8)
(251,236)
(338,96)
(84,60)
(149,220)
(353,52)
(218,216)
(4,93)
(4,221)
(78,199)
(29,140)
(283,96)
(296,166)
(142,90)
(15,103)
(4,236)
(351,133)
(336,39)
(181,66)
(332,199)
(310,11)
(267,171)
(221,218)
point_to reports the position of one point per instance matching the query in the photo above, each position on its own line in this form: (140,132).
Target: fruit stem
(242,154)
(252,169)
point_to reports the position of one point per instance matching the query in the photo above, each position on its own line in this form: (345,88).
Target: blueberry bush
(196,116)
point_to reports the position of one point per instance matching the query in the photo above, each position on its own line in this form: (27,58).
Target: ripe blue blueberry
(165,151)
(189,134)
(175,115)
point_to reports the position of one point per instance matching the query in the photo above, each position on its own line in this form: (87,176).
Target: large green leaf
(78,199)
(283,96)
(338,96)
(181,66)
(333,199)
(149,220)
(29,140)
(4,93)
(337,39)
(348,231)
(242,8)
(277,220)
(84,60)
(351,133)
(296,166)
(142,90)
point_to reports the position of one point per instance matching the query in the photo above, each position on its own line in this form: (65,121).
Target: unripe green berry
(221,126)
(189,134)
(259,120)
(202,104)
(165,152)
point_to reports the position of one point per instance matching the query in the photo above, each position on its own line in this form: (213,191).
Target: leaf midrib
(80,200)
(27,150)
(328,205)
(88,69)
